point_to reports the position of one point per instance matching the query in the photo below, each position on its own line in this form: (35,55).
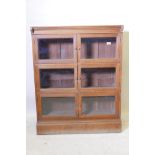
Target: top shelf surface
(77,29)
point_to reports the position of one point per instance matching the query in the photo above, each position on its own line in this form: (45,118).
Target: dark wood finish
(77,74)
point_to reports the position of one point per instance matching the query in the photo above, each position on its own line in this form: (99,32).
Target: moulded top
(77,29)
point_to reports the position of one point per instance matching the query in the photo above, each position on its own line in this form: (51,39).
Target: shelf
(56,66)
(54,92)
(98,61)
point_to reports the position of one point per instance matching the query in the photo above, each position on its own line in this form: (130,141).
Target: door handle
(77,49)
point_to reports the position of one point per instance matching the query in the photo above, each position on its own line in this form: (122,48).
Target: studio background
(46,13)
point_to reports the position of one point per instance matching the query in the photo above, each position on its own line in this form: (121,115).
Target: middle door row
(82,77)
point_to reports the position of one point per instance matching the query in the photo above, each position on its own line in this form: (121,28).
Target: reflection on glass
(98,77)
(55,48)
(98,105)
(58,106)
(57,78)
(92,48)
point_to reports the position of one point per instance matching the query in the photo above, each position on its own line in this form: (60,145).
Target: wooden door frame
(101,63)
(43,64)
(53,66)
(42,117)
(77,64)
(101,116)
(54,61)
(104,65)
(99,60)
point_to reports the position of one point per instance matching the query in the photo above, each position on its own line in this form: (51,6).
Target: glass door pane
(58,48)
(102,47)
(58,106)
(98,105)
(98,77)
(57,78)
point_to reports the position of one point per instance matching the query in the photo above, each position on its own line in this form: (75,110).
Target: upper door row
(73,48)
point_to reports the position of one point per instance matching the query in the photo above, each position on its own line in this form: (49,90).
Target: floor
(76,144)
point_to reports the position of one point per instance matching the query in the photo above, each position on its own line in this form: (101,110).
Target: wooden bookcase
(77,73)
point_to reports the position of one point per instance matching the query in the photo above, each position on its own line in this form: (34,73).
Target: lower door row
(81,106)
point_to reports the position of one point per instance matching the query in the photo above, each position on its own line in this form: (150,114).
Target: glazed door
(99,92)
(77,76)
(55,58)
(57,106)
(56,77)
(96,48)
(55,49)
(99,105)
(98,75)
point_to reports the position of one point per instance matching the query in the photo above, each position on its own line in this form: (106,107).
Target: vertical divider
(36,77)
(35,50)
(76,72)
(120,72)
(78,62)
(117,53)
(75,60)
(39,106)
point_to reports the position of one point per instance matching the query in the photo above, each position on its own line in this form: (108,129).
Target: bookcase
(77,74)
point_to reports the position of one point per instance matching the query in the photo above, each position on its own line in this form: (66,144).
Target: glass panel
(98,105)
(58,106)
(98,77)
(55,48)
(57,78)
(92,48)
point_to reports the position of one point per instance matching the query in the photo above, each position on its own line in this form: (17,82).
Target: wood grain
(66,50)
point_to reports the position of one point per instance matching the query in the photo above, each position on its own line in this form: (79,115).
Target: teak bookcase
(77,73)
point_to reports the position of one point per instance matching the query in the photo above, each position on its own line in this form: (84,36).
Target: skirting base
(79,126)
